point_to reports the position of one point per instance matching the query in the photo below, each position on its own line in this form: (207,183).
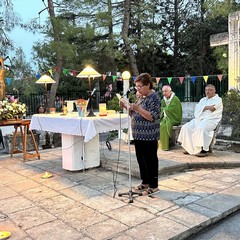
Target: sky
(27,10)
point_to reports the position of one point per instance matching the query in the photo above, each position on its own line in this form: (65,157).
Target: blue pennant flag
(8,81)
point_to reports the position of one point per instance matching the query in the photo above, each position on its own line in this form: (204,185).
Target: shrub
(231,112)
(113,104)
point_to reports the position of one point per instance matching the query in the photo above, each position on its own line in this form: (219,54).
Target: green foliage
(220,54)
(114,105)
(231,111)
(219,8)
(8,20)
(23,78)
(168,38)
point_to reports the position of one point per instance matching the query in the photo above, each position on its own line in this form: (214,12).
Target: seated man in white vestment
(196,135)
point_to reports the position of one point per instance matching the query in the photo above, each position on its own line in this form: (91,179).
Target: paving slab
(194,193)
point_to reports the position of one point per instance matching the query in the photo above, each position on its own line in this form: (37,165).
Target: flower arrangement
(81,102)
(11,108)
(81,105)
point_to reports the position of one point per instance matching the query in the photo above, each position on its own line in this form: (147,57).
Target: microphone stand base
(130,193)
(91,114)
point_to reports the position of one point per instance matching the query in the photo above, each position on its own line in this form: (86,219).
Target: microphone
(130,90)
(93,91)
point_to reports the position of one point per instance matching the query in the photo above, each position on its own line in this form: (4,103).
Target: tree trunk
(125,27)
(176,35)
(2,81)
(59,56)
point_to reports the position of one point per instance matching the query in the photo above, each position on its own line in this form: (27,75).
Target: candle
(65,111)
(102,109)
(52,110)
(70,106)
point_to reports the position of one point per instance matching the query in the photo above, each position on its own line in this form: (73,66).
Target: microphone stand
(90,93)
(130,193)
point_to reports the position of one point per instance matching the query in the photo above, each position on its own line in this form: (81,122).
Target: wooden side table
(23,125)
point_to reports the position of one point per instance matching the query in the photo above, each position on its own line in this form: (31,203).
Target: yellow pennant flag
(205,78)
(50,71)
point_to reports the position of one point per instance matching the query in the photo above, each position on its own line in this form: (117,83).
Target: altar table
(80,135)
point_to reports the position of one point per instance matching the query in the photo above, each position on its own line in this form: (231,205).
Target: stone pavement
(194,193)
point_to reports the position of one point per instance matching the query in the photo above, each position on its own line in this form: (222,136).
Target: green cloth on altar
(172,117)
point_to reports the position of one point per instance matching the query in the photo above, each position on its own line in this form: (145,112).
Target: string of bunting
(114,77)
(193,78)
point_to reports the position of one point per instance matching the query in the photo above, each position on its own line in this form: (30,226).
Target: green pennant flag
(169,80)
(114,78)
(65,71)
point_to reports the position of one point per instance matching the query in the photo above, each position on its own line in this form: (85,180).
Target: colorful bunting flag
(114,78)
(38,75)
(193,78)
(157,79)
(205,78)
(8,81)
(74,73)
(65,71)
(220,77)
(181,79)
(169,80)
(50,71)
(104,77)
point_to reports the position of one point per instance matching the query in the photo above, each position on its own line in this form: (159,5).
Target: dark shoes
(141,187)
(185,152)
(202,154)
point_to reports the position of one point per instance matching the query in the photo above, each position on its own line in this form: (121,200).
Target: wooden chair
(24,129)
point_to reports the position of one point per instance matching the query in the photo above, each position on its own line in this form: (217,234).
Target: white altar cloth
(78,132)
(72,124)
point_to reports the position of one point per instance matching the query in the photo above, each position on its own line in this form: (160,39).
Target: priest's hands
(211,108)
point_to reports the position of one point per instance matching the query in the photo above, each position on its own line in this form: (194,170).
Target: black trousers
(146,153)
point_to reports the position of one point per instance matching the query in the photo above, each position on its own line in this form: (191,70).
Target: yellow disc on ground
(47,175)
(4,234)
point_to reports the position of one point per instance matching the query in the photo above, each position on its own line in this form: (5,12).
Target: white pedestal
(78,155)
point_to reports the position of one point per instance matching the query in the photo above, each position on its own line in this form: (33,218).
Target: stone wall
(188,110)
(19,146)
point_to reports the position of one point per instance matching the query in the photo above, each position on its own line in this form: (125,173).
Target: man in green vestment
(171,115)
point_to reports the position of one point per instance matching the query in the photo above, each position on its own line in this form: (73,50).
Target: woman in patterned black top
(145,120)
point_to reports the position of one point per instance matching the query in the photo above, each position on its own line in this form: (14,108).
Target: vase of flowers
(11,109)
(81,105)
